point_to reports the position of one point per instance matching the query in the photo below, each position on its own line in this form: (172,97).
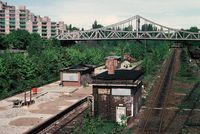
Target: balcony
(12,28)
(2,27)
(12,11)
(35,23)
(2,11)
(23,19)
(22,16)
(22,26)
(2,31)
(44,24)
(12,24)
(44,32)
(35,31)
(22,23)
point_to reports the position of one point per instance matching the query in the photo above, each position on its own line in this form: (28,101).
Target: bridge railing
(117,31)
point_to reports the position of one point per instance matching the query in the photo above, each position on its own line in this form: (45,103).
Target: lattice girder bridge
(134,28)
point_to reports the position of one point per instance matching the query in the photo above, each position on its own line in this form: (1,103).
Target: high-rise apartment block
(12,18)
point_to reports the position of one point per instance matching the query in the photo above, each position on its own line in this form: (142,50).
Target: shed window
(70,76)
(121,92)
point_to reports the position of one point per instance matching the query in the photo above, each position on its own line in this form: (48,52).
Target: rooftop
(78,68)
(120,75)
(113,57)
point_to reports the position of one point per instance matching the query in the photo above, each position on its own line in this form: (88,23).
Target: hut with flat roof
(117,92)
(76,75)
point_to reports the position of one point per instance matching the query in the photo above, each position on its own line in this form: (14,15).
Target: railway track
(153,120)
(64,121)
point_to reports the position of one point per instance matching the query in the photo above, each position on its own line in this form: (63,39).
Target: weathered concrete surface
(50,100)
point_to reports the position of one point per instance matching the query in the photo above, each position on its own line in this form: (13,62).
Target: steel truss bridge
(134,28)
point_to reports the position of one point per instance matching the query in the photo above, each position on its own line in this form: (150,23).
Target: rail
(53,119)
(157,92)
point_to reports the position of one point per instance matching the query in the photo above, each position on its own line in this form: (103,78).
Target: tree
(71,28)
(95,25)
(194,29)
(128,28)
(54,42)
(75,56)
(3,45)
(149,27)
(18,39)
(36,45)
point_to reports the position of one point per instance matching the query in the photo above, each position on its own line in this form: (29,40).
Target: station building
(76,75)
(117,92)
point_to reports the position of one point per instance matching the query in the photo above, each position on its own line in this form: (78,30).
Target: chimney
(110,66)
(112,63)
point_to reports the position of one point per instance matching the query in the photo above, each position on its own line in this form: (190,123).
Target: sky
(82,13)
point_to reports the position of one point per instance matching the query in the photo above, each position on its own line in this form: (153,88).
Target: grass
(188,74)
(189,79)
(192,99)
(181,90)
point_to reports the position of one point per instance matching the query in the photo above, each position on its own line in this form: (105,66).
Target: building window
(121,92)
(104,91)
(2,11)
(69,76)
(22,15)
(12,11)
(12,15)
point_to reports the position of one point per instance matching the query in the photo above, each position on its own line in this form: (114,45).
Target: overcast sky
(82,13)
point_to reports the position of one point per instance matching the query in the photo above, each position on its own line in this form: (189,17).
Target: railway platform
(50,100)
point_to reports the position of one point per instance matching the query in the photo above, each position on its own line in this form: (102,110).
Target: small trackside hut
(117,92)
(76,75)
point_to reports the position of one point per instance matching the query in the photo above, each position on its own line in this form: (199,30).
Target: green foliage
(45,57)
(95,25)
(36,46)
(98,126)
(18,73)
(154,56)
(22,71)
(193,29)
(18,39)
(128,28)
(185,68)
(71,28)
(148,27)
(2,43)
(192,99)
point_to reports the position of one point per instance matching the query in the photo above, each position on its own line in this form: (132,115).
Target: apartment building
(12,18)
